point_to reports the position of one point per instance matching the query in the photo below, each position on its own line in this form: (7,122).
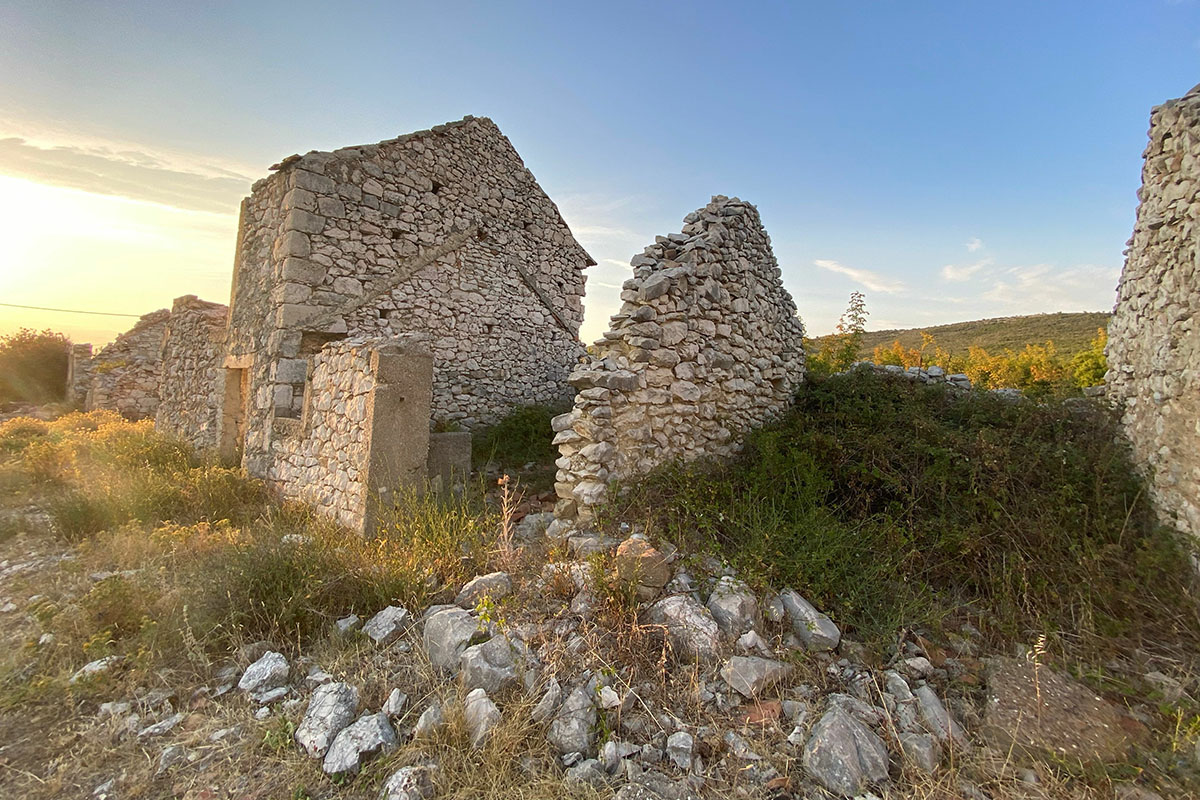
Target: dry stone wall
(124,375)
(79,374)
(1153,339)
(442,232)
(191,385)
(353,444)
(706,345)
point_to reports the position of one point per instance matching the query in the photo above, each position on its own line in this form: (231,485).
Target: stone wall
(1153,339)
(192,379)
(365,429)
(442,232)
(706,345)
(125,373)
(79,374)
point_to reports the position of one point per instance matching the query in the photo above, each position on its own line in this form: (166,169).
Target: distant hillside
(1069,332)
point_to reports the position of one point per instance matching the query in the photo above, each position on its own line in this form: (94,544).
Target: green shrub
(522,437)
(887,500)
(33,366)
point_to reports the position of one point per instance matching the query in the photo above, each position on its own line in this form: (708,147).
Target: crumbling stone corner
(1154,335)
(706,346)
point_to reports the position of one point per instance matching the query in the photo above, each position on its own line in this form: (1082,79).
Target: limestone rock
(94,668)
(408,783)
(388,625)
(921,749)
(369,735)
(733,606)
(690,626)
(447,634)
(639,563)
(572,728)
(843,755)
(680,745)
(490,666)
(430,722)
(937,719)
(331,709)
(549,702)
(749,676)
(267,673)
(1070,722)
(482,715)
(494,585)
(816,630)
(395,703)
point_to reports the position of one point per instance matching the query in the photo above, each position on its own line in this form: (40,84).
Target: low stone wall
(364,430)
(125,373)
(1153,338)
(191,383)
(706,345)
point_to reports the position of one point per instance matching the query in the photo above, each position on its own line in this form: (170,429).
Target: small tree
(33,366)
(841,349)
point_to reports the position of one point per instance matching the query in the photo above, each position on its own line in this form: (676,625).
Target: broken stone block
(367,736)
(331,709)
(388,625)
(843,755)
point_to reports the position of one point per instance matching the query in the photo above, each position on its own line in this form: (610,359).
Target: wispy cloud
(974,244)
(1044,287)
(871,280)
(121,171)
(963,272)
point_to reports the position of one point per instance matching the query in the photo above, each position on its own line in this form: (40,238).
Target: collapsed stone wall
(442,232)
(192,377)
(1153,338)
(125,373)
(706,345)
(364,431)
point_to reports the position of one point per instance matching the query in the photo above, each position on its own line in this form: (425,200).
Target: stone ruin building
(706,345)
(123,376)
(1153,338)
(434,256)
(192,372)
(378,291)
(386,292)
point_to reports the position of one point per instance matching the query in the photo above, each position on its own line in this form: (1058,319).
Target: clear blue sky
(953,160)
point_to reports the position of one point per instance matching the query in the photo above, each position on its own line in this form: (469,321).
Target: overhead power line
(70,310)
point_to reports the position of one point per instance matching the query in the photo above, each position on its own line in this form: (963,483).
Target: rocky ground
(590,667)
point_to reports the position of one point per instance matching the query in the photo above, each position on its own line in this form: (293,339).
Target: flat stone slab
(1038,712)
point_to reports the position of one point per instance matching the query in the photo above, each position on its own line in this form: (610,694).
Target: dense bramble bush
(33,366)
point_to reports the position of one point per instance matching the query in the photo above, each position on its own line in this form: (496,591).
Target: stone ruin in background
(1153,338)
(706,346)
(124,375)
(378,291)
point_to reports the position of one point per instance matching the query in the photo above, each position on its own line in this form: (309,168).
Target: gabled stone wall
(706,345)
(124,375)
(1154,335)
(192,378)
(441,232)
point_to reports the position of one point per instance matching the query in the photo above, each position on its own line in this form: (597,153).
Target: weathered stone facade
(192,378)
(79,374)
(124,374)
(364,431)
(706,346)
(1154,338)
(443,233)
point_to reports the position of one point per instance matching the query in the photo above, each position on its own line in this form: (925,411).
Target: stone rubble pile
(706,345)
(124,375)
(858,735)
